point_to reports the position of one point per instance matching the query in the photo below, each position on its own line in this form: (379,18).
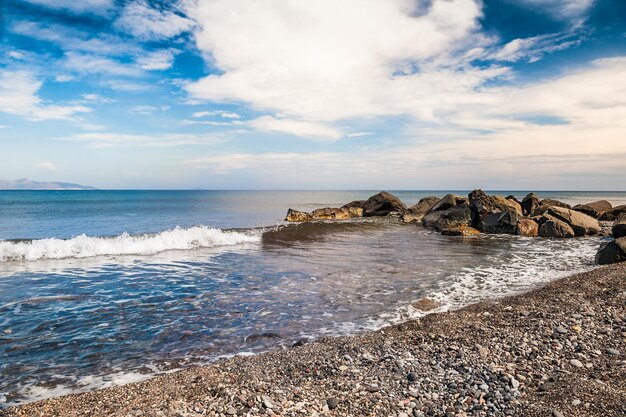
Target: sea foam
(83,246)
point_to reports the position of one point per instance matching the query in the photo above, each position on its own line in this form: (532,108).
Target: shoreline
(556,350)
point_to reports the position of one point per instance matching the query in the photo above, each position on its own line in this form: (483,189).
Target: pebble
(560,330)
(556,413)
(411,376)
(576,402)
(332,403)
(576,363)
(612,352)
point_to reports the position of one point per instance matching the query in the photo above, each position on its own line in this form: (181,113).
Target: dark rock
(581,224)
(614,213)
(332,403)
(481,205)
(460,231)
(432,218)
(545,204)
(416,212)
(355,203)
(595,209)
(529,203)
(454,217)
(448,201)
(612,252)
(553,227)
(300,342)
(527,227)
(619,227)
(501,223)
(297,216)
(383,204)
(411,377)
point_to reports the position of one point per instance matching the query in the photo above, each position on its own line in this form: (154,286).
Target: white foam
(86,246)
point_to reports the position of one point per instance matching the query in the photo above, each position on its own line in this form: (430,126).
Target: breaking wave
(83,246)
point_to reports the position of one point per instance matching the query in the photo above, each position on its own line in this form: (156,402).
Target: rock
(330,213)
(556,413)
(501,223)
(555,228)
(332,403)
(619,227)
(515,204)
(355,203)
(297,216)
(416,212)
(527,227)
(448,201)
(612,252)
(612,352)
(383,204)
(460,231)
(411,377)
(581,224)
(595,209)
(560,330)
(481,205)
(545,204)
(576,363)
(456,216)
(432,218)
(425,304)
(529,203)
(614,213)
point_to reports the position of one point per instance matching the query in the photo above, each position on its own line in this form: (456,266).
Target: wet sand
(557,351)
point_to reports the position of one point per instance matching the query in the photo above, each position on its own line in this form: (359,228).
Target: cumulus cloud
(148,23)
(324,61)
(18,96)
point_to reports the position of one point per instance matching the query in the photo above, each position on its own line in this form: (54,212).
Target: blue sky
(275,94)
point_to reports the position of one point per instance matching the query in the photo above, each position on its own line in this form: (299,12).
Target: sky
(324,94)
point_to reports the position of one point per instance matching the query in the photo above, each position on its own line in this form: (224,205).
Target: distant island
(26,184)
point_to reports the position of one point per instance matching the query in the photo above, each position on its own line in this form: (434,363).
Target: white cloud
(534,48)
(220,113)
(323,61)
(18,96)
(77,6)
(157,60)
(148,23)
(147,109)
(47,166)
(295,127)
(63,78)
(95,64)
(562,9)
(108,140)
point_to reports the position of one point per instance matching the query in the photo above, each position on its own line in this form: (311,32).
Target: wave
(84,246)
(317,230)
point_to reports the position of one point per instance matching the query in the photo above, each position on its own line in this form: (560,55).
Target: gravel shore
(556,351)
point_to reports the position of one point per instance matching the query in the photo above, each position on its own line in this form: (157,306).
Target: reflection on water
(91,322)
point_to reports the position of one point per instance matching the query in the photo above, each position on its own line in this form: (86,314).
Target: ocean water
(99,288)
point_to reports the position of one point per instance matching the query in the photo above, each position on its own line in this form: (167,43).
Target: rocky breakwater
(455,215)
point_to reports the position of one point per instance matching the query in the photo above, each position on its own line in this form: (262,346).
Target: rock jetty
(455,215)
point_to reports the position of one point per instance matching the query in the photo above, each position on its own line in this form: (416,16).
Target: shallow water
(114,310)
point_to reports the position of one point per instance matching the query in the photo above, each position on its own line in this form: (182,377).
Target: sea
(101,288)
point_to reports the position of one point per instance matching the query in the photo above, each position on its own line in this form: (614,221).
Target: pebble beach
(556,351)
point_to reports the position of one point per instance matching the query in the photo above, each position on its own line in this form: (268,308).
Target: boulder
(619,227)
(431,218)
(297,216)
(527,227)
(612,252)
(581,224)
(515,204)
(614,213)
(529,203)
(553,203)
(504,222)
(355,203)
(416,212)
(481,205)
(449,200)
(595,209)
(553,227)
(329,213)
(456,216)
(460,231)
(383,204)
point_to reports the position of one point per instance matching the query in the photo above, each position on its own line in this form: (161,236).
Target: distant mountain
(26,184)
